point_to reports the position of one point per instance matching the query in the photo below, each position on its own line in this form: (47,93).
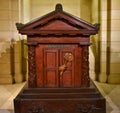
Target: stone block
(114,79)
(6,80)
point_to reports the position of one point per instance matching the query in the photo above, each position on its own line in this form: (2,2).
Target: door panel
(48,61)
(50,67)
(67,78)
(39,65)
(51,78)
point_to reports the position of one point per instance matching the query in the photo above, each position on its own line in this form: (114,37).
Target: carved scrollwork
(39,108)
(33,108)
(86,108)
(32,66)
(85,67)
(68,57)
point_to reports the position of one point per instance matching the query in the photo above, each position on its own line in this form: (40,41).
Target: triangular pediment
(57,25)
(57,20)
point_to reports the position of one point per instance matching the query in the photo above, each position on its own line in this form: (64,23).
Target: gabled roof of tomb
(58,22)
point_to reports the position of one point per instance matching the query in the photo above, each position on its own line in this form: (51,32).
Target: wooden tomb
(58,66)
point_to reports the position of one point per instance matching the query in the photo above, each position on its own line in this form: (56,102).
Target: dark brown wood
(58,66)
(32,66)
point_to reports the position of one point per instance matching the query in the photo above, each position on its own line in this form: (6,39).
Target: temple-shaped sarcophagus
(58,66)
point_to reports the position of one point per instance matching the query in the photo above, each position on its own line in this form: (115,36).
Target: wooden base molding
(62,100)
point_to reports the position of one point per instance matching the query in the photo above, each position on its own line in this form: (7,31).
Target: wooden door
(51,63)
(50,60)
(67,77)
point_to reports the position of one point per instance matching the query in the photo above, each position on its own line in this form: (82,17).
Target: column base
(19,78)
(102,77)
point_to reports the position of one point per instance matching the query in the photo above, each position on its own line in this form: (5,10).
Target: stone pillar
(114,74)
(8,16)
(86,6)
(18,76)
(95,40)
(110,41)
(6,74)
(104,65)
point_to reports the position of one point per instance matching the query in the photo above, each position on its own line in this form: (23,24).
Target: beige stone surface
(114,78)
(115,36)
(115,68)
(5,59)
(115,26)
(18,78)
(115,14)
(115,4)
(102,77)
(115,58)
(39,8)
(110,41)
(103,67)
(5,69)
(6,80)
(103,5)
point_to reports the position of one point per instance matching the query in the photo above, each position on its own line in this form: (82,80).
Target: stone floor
(7,94)
(109,91)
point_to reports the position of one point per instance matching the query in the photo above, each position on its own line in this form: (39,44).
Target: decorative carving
(54,111)
(58,7)
(81,108)
(39,108)
(32,66)
(87,108)
(68,57)
(97,25)
(19,25)
(85,67)
(36,108)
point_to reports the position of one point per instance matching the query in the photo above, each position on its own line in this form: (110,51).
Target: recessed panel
(51,67)
(51,78)
(66,79)
(51,59)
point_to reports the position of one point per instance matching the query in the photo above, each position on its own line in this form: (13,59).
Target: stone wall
(10,42)
(110,41)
